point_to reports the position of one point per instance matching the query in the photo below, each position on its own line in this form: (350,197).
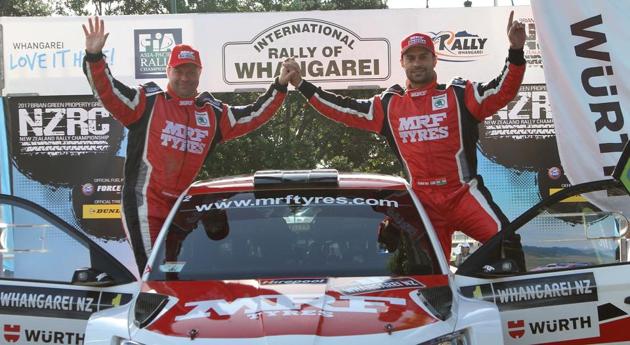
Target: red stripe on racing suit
(169,140)
(434,131)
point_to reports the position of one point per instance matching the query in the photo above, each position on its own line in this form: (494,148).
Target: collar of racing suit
(421,91)
(171,95)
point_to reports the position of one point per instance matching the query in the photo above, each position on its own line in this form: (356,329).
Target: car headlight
(455,338)
(127,342)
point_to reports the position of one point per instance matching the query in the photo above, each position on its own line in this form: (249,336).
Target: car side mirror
(87,276)
(612,225)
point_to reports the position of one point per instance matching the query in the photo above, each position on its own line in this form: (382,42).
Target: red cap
(182,54)
(417,40)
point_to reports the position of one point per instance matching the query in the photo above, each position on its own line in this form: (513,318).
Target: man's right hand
(95,36)
(292,65)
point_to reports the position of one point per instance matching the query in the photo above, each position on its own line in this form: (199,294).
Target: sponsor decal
(289,305)
(109,188)
(152,50)
(516,329)
(600,93)
(526,121)
(47,129)
(528,116)
(418,93)
(326,51)
(186,102)
(87,189)
(459,46)
(551,324)
(183,138)
(186,55)
(99,213)
(376,284)
(439,102)
(575,198)
(293,281)
(422,128)
(202,119)
(58,140)
(11,333)
(57,303)
(292,200)
(91,211)
(537,292)
(554,173)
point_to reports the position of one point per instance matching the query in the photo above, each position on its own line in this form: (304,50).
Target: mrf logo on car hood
(257,308)
(290,305)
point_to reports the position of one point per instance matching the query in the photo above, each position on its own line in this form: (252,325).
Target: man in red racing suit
(433,128)
(171,133)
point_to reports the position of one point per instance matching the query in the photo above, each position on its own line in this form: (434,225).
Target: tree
(24,8)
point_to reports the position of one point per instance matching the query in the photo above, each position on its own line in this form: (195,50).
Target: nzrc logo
(11,333)
(516,329)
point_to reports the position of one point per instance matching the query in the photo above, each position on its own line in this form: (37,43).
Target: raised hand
(290,72)
(95,36)
(515,32)
(291,65)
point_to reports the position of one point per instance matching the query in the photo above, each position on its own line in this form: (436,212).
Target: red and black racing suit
(168,141)
(434,131)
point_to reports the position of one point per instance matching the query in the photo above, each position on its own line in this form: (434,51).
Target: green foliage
(24,8)
(298,137)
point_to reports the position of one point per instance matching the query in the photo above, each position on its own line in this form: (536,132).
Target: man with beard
(434,130)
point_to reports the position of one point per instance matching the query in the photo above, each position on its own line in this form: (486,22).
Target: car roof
(244,183)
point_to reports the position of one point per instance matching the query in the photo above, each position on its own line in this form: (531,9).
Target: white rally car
(319,257)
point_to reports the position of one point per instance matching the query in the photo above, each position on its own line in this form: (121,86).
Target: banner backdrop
(65,154)
(337,49)
(585,50)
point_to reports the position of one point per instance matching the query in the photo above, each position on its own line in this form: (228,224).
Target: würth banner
(585,51)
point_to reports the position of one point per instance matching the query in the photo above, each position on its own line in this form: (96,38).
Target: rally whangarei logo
(325,50)
(460,46)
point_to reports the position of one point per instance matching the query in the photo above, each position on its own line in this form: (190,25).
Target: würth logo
(516,329)
(12,333)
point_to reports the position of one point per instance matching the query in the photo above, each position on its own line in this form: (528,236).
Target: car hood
(310,306)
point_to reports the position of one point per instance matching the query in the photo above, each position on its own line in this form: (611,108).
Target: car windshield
(307,233)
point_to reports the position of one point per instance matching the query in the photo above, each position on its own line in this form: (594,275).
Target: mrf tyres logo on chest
(326,52)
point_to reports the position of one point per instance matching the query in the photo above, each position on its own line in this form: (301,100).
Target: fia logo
(156,42)
(152,50)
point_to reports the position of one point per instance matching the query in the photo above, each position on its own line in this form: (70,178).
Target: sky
(451,3)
